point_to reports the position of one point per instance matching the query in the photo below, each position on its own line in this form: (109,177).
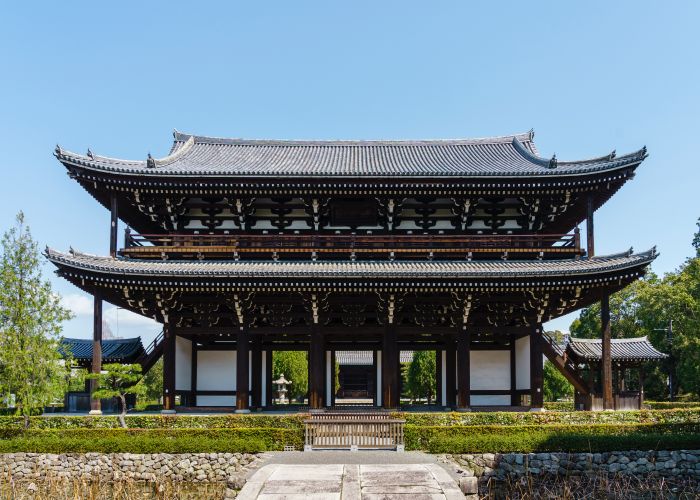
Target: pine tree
(421,375)
(116,381)
(31,318)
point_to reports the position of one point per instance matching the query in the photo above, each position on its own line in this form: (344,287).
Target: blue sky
(117,77)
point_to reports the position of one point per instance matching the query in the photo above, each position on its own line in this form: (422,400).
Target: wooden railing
(351,430)
(205,244)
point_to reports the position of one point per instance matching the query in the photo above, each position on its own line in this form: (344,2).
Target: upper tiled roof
(365,358)
(349,269)
(116,350)
(512,155)
(636,349)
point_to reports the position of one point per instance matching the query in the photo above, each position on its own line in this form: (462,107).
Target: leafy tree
(31,318)
(421,375)
(696,240)
(555,384)
(153,381)
(116,381)
(294,366)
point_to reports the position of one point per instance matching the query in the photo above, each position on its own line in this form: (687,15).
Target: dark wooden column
(269,391)
(438,377)
(590,236)
(96,404)
(463,369)
(317,369)
(168,369)
(242,370)
(256,369)
(193,375)
(641,386)
(390,368)
(514,399)
(450,373)
(536,371)
(606,361)
(114,224)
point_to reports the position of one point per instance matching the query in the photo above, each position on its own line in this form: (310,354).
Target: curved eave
(538,167)
(597,268)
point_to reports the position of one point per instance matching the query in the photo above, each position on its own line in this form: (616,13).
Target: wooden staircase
(151,353)
(563,364)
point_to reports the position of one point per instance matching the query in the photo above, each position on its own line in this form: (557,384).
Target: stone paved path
(417,481)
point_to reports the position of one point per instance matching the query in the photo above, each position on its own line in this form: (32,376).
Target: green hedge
(248,440)
(670,405)
(569,438)
(559,405)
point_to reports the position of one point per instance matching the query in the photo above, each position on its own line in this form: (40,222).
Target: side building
(245,247)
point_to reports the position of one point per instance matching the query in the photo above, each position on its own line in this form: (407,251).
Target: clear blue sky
(117,77)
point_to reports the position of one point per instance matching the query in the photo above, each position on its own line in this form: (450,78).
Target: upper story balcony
(353,247)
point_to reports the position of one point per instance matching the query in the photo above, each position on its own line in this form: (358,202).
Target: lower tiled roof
(349,269)
(116,350)
(636,349)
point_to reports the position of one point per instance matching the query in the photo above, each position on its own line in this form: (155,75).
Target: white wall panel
(216,400)
(379,391)
(522,363)
(490,370)
(216,370)
(183,364)
(488,400)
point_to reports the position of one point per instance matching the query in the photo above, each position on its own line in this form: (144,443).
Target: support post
(256,370)
(438,378)
(641,386)
(317,363)
(114,224)
(536,371)
(450,373)
(168,369)
(96,404)
(242,371)
(463,370)
(390,368)
(268,378)
(590,236)
(193,376)
(606,361)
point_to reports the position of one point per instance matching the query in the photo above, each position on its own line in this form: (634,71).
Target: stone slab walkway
(417,481)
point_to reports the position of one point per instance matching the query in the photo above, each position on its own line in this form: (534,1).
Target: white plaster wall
(263,376)
(522,363)
(443,377)
(183,364)
(216,371)
(490,370)
(378,390)
(329,377)
(216,400)
(489,400)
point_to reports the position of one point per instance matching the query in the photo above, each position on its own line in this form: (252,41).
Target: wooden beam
(168,369)
(463,370)
(536,371)
(590,236)
(193,375)
(96,404)
(256,370)
(114,224)
(317,363)
(606,361)
(450,373)
(242,371)
(390,369)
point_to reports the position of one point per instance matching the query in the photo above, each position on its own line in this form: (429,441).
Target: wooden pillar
(641,386)
(438,377)
(317,364)
(536,371)
(590,236)
(390,368)
(168,369)
(96,404)
(606,361)
(450,373)
(256,370)
(269,389)
(242,371)
(193,379)
(463,370)
(114,224)
(514,399)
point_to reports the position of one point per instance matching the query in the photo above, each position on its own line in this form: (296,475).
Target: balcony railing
(225,245)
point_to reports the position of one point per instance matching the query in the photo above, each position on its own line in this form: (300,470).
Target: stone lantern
(282,384)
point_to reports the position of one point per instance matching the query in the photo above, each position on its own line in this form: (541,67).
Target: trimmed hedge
(559,405)
(243,440)
(568,438)
(670,405)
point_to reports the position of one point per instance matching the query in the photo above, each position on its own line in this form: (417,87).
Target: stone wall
(231,468)
(514,465)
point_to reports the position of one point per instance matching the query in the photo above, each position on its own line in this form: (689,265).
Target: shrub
(248,440)
(559,405)
(570,438)
(671,405)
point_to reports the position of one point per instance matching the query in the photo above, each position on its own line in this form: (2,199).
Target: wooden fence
(351,430)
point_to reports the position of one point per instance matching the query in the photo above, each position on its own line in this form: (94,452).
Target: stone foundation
(231,468)
(500,466)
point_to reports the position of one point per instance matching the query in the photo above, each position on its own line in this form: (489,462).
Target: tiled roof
(512,155)
(636,349)
(116,350)
(365,358)
(349,269)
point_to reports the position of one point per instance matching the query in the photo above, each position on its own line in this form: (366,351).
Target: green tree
(696,240)
(421,375)
(153,381)
(31,318)
(555,384)
(294,366)
(116,381)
